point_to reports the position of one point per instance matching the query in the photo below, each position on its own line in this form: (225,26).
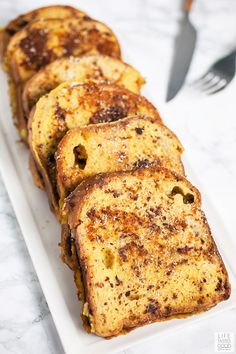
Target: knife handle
(187,5)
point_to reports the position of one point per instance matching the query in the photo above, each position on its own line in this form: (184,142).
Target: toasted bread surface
(145,259)
(89,67)
(132,142)
(54,11)
(72,105)
(43,41)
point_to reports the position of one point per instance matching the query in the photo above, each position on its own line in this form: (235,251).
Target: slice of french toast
(72,105)
(143,259)
(53,11)
(100,67)
(42,42)
(89,67)
(132,142)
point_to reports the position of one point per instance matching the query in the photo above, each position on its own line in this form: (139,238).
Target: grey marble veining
(208,134)
(26,325)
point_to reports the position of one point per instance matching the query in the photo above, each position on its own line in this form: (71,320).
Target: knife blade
(183,53)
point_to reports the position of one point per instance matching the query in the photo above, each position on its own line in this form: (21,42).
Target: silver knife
(183,53)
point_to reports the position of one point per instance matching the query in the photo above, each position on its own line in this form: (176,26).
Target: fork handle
(187,5)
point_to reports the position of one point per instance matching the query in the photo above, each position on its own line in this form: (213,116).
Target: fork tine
(213,87)
(218,76)
(205,78)
(210,84)
(218,87)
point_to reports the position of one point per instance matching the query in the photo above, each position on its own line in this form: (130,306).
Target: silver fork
(218,76)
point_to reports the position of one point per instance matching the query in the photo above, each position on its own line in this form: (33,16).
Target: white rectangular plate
(42,234)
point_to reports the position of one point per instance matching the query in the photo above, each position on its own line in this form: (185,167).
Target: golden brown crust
(66,246)
(42,42)
(67,254)
(89,67)
(4,39)
(135,141)
(98,67)
(70,257)
(78,196)
(173,269)
(14,26)
(73,105)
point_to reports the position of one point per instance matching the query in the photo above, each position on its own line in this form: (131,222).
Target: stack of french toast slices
(133,231)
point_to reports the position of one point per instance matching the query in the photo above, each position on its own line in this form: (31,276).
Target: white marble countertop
(206,126)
